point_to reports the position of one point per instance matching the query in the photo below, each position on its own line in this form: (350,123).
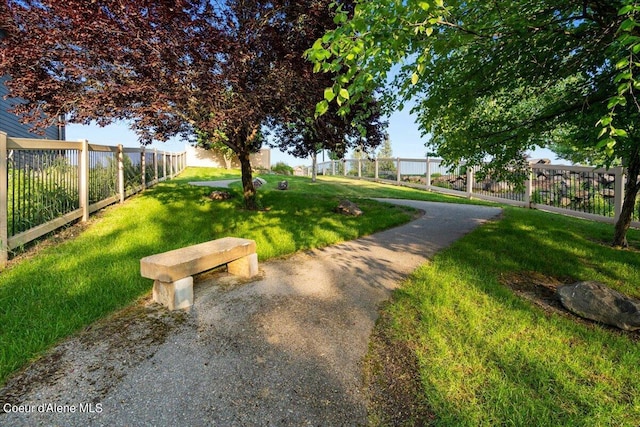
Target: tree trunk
(250,197)
(314,166)
(630,194)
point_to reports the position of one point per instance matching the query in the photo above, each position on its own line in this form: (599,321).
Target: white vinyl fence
(586,192)
(46,184)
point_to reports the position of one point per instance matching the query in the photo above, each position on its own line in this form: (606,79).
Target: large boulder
(595,301)
(347,207)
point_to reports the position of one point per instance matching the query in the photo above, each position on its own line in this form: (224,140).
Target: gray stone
(283,185)
(347,207)
(258,182)
(595,301)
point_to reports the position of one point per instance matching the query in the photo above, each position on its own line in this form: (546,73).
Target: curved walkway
(283,350)
(223,183)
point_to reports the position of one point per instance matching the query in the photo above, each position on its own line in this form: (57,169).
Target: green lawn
(65,287)
(485,356)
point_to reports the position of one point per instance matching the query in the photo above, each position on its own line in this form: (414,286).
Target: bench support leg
(246,266)
(174,295)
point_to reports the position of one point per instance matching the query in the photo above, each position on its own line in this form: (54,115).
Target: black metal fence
(587,192)
(46,184)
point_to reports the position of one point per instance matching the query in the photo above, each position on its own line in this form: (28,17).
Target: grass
(67,286)
(487,357)
(484,355)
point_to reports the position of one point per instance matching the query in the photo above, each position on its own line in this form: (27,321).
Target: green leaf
(340,18)
(607,142)
(616,100)
(622,63)
(322,107)
(605,121)
(626,9)
(344,93)
(628,25)
(317,45)
(415,78)
(329,94)
(602,132)
(621,133)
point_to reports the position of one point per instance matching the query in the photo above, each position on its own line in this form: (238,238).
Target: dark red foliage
(168,66)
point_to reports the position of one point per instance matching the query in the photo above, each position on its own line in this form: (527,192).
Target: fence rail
(581,191)
(46,184)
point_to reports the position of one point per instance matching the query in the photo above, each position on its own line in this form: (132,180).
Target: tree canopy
(493,79)
(198,68)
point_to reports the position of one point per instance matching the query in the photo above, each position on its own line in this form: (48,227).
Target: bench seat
(173,271)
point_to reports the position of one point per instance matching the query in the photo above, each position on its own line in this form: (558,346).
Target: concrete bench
(173,271)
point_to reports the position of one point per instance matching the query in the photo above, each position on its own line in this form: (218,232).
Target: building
(200,157)
(10,123)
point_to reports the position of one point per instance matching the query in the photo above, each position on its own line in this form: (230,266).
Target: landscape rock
(219,195)
(347,207)
(259,182)
(595,301)
(283,185)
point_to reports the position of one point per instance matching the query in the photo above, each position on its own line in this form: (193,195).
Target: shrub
(282,168)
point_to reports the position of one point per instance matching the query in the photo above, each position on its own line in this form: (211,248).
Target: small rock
(347,207)
(595,301)
(219,195)
(259,182)
(283,185)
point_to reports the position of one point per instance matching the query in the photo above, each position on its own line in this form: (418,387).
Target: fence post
(428,175)
(164,165)
(470,179)
(376,168)
(155,165)
(344,170)
(398,177)
(528,188)
(359,168)
(4,208)
(83,187)
(121,172)
(333,168)
(618,201)
(143,167)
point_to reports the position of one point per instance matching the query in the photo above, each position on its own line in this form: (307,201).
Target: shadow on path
(283,350)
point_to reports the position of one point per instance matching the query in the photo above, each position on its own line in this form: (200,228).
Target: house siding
(10,123)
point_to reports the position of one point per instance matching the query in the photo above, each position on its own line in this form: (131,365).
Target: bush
(282,168)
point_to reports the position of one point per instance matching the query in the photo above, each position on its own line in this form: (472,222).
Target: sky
(406,141)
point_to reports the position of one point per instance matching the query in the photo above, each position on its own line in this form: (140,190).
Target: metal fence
(586,192)
(46,184)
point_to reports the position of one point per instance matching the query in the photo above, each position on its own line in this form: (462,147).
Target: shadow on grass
(489,357)
(66,287)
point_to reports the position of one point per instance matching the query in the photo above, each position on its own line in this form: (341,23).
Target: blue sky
(406,141)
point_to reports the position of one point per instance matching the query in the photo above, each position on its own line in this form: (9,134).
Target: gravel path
(223,183)
(285,349)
